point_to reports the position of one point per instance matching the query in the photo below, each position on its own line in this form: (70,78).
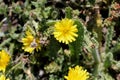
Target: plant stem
(96,56)
(98,61)
(14,67)
(5,42)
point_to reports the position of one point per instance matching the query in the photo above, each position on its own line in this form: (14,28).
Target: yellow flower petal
(2,77)
(4,60)
(77,73)
(30,43)
(65,31)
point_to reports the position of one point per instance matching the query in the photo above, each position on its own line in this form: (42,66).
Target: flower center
(65,31)
(33,44)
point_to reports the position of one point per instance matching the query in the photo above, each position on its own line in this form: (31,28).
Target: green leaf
(68,12)
(109,36)
(76,46)
(108,60)
(53,48)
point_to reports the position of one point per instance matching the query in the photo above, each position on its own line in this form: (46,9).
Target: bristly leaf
(76,46)
(53,48)
(68,12)
(109,36)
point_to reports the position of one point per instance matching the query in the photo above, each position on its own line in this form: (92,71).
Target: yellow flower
(4,60)
(65,31)
(2,77)
(30,43)
(77,73)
